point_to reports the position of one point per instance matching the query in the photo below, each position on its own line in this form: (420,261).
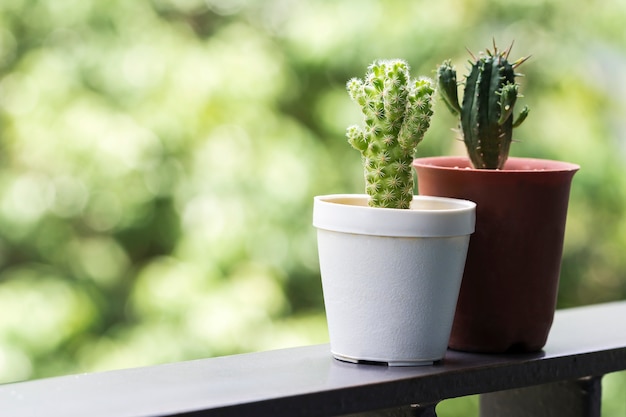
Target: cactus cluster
(397,114)
(486,117)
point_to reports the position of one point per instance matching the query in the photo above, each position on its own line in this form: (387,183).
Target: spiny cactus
(397,114)
(489,98)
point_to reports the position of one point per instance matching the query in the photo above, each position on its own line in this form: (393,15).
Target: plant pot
(510,284)
(391,277)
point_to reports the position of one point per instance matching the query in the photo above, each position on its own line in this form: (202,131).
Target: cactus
(397,114)
(486,117)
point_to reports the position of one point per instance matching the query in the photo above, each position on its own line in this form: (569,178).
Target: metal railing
(562,380)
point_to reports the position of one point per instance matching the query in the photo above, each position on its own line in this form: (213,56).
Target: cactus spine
(397,114)
(486,117)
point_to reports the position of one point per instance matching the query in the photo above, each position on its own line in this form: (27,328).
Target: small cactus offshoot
(397,114)
(489,98)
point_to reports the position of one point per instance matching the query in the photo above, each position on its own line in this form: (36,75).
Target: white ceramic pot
(391,277)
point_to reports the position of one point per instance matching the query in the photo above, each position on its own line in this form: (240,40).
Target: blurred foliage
(158,160)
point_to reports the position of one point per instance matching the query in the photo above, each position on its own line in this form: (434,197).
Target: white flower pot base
(418,362)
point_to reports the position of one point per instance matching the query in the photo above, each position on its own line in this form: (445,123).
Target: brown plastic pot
(510,284)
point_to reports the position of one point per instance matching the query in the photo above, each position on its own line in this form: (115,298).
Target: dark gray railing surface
(305,381)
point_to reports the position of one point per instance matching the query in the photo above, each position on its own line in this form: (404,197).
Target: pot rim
(428,216)
(513,164)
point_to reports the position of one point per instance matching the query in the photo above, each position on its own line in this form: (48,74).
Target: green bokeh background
(158,161)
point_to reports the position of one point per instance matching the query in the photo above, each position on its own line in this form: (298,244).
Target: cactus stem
(486,114)
(397,113)
(521,117)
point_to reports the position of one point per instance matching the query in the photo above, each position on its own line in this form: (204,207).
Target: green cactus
(397,114)
(488,103)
